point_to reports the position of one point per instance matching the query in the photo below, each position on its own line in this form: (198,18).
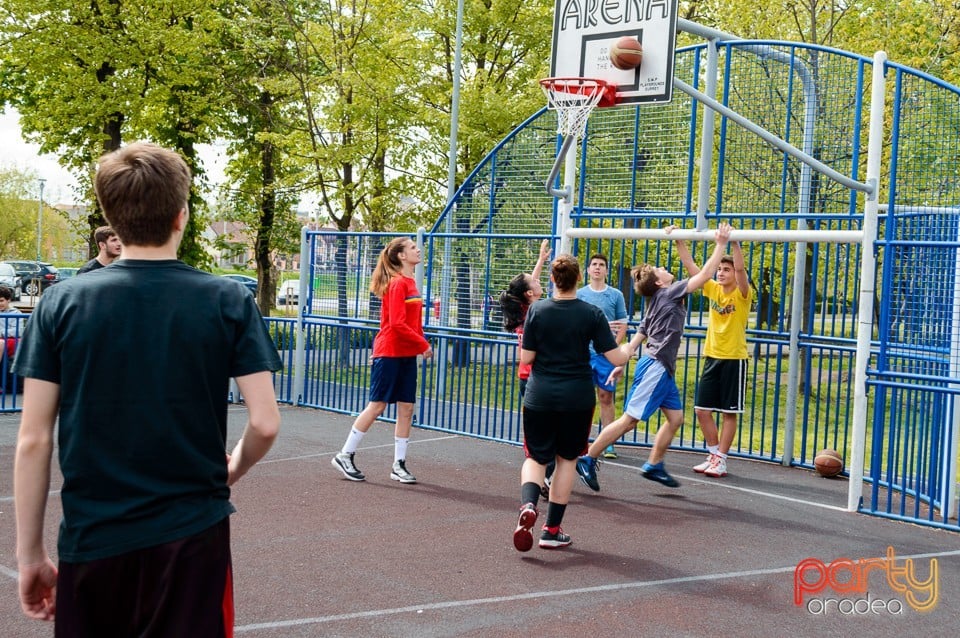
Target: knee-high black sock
(555,513)
(529,493)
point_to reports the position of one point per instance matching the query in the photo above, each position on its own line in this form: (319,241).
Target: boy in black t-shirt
(135,360)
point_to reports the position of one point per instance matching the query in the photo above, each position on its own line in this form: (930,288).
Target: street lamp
(40,217)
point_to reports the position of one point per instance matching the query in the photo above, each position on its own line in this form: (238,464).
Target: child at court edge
(654,386)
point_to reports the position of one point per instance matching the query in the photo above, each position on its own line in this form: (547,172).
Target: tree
(86,77)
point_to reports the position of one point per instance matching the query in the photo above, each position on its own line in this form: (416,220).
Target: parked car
(289,292)
(36,276)
(67,273)
(10,279)
(249,282)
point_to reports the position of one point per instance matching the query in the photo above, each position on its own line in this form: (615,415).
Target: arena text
(583,14)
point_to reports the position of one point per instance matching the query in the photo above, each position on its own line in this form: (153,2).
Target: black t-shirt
(560,331)
(143,352)
(93,264)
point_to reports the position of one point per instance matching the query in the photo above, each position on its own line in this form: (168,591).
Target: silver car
(10,279)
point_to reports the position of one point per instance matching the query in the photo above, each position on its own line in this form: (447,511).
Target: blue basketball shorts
(601,370)
(394,380)
(652,390)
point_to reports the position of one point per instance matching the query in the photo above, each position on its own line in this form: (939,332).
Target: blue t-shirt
(609,300)
(143,352)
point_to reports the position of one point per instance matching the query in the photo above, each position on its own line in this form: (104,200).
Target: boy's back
(143,352)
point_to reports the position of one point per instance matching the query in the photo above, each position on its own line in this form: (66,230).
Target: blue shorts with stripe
(652,389)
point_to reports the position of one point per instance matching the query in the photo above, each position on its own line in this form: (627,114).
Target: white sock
(713,449)
(352,442)
(400,448)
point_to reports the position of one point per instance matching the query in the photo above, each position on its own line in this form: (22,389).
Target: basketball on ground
(829,463)
(626,53)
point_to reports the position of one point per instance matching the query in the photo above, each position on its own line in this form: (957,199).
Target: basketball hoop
(574,99)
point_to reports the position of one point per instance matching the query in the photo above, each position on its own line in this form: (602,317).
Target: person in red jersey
(395,349)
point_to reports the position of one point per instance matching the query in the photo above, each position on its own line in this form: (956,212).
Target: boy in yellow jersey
(724,379)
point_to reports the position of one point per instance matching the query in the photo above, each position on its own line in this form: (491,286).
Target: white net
(573,99)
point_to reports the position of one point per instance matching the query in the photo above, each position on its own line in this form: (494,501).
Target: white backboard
(584,30)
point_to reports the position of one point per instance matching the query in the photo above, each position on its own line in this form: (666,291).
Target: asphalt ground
(317,555)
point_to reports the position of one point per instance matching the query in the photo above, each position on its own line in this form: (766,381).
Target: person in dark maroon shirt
(395,349)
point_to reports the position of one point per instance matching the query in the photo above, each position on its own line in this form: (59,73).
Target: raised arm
(684,254)
(541,259)
(722,238)
(740,269)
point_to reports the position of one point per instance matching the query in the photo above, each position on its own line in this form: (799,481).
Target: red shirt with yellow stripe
(401,321)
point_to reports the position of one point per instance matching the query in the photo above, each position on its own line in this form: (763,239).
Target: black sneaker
(554,541)
(400,473)
(522,536)
(344,463)
(660,475)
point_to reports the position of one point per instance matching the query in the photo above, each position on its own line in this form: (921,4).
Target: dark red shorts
(181,588)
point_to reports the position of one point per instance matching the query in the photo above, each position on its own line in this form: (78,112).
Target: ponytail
(388,266)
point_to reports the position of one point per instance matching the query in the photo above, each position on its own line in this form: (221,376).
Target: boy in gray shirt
(653,382)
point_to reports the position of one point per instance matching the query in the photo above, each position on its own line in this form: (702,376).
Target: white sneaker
(700,469)
(401,474)
(718,468)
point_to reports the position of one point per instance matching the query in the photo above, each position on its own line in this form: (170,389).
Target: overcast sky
(58,188)
(18,154)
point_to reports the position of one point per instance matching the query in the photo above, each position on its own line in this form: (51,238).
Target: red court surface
(317,555)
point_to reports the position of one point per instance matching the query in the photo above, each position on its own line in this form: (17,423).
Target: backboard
(584,30)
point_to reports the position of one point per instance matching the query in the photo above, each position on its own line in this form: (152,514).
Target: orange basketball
(626,53)
(829,463)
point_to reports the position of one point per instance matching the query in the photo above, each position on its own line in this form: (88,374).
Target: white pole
(565,205)
(685,234)
(948,486)
(868,269)
(300,351)
(706,140)
(40,218)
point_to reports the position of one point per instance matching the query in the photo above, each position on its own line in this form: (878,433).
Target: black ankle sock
(529,493)
(555,513)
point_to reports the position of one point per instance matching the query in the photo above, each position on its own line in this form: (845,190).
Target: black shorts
(548,434)
(394,380)
(181,588)
(722,385)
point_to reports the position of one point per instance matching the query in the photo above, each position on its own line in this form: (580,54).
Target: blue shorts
(601,371)
(652,389)
(394,380)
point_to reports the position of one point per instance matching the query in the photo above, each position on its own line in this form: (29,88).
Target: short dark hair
(600,257)
(565,271)
(726,259)
(6,293)
(102,234)
(142,188)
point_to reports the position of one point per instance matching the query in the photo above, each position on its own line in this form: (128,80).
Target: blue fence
(638,168)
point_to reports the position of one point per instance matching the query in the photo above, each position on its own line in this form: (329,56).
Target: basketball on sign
(626,53)
(828,463)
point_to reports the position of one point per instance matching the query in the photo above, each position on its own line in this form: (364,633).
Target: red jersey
(401,321)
